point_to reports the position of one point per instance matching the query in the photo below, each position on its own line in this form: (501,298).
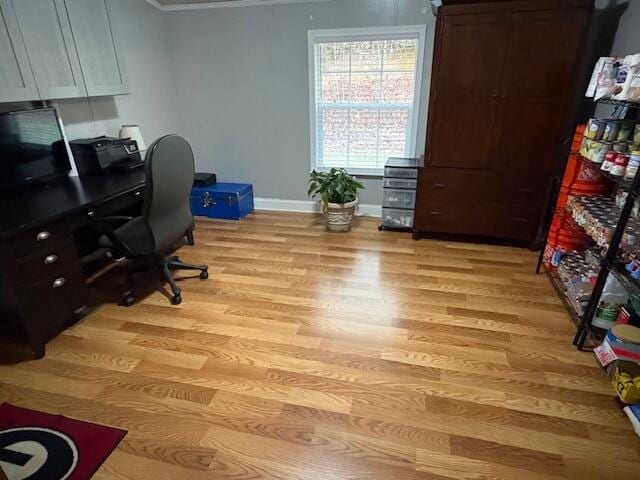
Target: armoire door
(466,90)
(468,69)
(51,49)
(538,76)
(17,83)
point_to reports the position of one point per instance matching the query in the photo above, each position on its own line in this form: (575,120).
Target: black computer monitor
(32,148)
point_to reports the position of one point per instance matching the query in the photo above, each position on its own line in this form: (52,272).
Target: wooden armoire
(501,89)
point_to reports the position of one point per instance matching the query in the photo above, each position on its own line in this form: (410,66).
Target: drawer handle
(521,220)
(49,259)
(439,185)
(42,236)
(137,194)
(58,282)
(527,190)
(433,212)
(91,213)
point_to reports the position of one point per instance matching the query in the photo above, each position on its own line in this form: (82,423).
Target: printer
(96,155)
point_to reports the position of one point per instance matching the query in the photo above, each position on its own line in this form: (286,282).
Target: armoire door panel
(51,49)
(527,137)
(461,133)
(541,55)
(17,83)
(465,94)
(473,48)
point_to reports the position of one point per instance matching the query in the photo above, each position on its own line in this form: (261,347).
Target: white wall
(627,39)
(243,86)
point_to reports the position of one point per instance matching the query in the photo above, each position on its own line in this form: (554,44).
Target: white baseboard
(308,206)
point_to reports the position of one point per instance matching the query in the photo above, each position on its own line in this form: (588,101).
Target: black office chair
(166,216)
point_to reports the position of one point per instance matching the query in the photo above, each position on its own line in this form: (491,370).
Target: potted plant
(338,192)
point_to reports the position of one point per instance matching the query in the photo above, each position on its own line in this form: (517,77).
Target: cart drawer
(393,198)
(397,218)
(400,183)
(393,172)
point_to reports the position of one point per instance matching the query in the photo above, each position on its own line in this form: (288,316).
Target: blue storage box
(231,201)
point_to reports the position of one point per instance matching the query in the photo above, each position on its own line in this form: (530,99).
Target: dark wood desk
(42,283)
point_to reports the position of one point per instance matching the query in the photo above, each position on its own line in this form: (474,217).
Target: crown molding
(227,4)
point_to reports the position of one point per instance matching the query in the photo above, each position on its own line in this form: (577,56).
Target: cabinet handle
(527,190)
(439,185)
(91,213)
(49,259)
(58,282)
(520,220)
(433,212)
(42,236)
(137,194)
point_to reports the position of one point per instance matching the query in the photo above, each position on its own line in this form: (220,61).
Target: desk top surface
(33,207)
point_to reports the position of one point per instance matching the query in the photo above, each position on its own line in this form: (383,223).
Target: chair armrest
(103,225)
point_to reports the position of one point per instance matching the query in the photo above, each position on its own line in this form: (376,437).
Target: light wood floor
(309,355)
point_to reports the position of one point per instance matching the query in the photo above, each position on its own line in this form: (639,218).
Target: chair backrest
(169,171)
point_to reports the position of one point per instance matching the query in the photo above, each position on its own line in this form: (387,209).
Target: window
(364,87)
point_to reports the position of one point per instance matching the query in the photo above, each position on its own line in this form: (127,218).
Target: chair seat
(135,235)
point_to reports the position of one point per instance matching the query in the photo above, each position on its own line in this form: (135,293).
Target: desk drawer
(115,206)
(46,262)
(52,301)
(40,239)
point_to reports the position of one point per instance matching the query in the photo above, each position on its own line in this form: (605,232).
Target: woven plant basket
(340,215)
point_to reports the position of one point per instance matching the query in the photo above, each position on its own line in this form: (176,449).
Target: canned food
(595,129)
(611,129)
(620,147)
(599,151)
(624,132)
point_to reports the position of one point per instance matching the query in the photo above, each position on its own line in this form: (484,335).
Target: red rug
(39,446)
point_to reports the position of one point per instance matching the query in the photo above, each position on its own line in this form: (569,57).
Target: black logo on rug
(31,453)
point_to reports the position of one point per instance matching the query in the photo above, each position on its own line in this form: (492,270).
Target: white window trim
(368,33)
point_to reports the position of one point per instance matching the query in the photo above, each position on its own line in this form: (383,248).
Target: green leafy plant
(334,186)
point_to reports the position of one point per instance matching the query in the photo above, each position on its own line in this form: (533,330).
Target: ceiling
(198,4)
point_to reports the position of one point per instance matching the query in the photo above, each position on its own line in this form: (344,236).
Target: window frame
(363,34)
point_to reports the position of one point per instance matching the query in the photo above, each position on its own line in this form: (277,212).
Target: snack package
(629,68)
(633,95)
(591,89)
(606,79)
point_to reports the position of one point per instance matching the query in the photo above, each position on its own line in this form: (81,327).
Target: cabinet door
(52,53)
(464,98)
(16,77)
(539,75)
(97,47)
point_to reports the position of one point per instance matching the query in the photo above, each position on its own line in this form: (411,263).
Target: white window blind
(364,95)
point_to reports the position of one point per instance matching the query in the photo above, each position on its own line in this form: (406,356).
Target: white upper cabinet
(52,52)
(17,83)
(52,49)
(97,47)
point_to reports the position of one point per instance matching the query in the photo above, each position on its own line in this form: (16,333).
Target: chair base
(166,266)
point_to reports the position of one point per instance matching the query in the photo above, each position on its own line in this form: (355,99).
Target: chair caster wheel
(176,300)
(204,274)
(127,301)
